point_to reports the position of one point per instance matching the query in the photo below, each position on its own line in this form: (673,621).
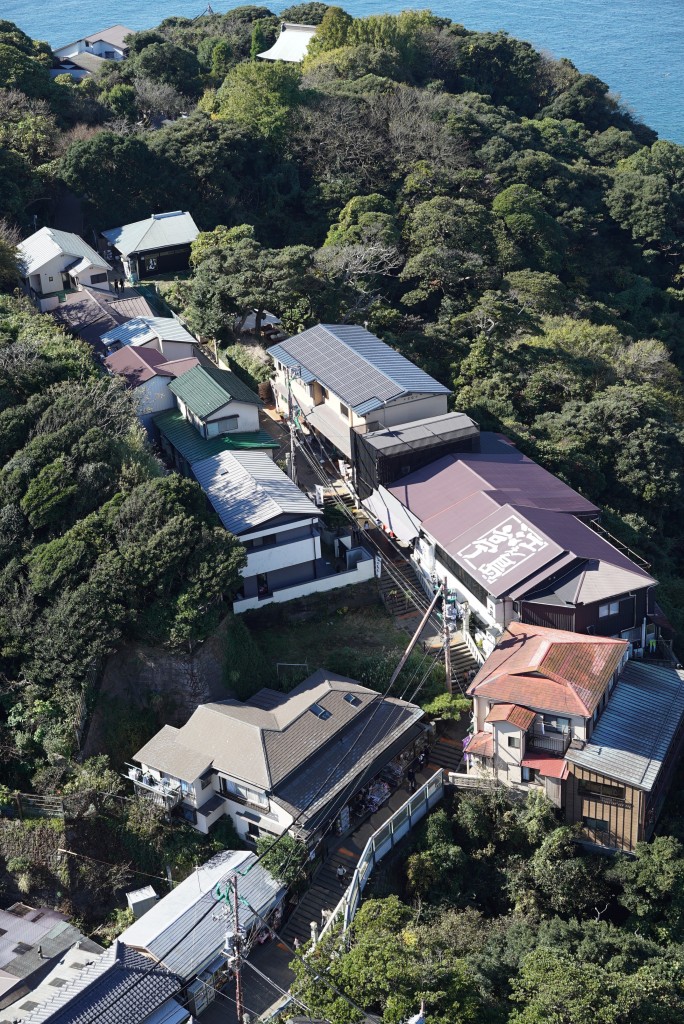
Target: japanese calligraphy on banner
(502,548)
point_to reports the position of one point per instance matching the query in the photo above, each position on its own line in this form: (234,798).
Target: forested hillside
(96,542)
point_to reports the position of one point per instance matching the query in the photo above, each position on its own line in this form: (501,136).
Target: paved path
(273,958)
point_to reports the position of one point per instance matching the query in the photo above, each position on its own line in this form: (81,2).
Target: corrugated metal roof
(160,231)
(247,489)
(44,245)
(189,443)
(420,433)
(549,669)
(355,365)
(638,725)
(292,43)
(207,389)
(521,717)
(142,329)
(549,767)
(119,987)
(188,909)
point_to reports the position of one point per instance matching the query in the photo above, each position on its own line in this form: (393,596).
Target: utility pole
(237,948)
(290,412)
(447,635)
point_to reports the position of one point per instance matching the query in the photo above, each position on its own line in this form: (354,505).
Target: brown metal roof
(549,669)
(521,717)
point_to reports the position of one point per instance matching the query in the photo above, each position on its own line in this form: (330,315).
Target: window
(151,262)
(325,392)
(246,793)
(530,774)
(98,278)
(344,411)
(552,723)
(598,790)
(263,542)
(514,741)
(253,831)
(609,608)
(21,948)
(320,712)
(50,278)
(225,425)
(352,699)
(595,824)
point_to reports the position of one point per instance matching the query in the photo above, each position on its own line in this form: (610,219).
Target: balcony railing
(163,791)
(550,742)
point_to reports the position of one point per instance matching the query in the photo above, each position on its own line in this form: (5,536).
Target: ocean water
(636,46)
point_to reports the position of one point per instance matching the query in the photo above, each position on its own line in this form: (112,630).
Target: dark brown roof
(549,669)
(136,365)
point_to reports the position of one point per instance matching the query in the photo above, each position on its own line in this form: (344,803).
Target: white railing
(381,842)
(472,646)
(365,570)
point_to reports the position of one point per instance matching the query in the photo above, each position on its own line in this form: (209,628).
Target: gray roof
(168,754)
(114,34)
(160,231)
(188,909)
(637,727)
(421,433)
(355,365)
(120,987)
(590,582)
(275,737)
(142,329)
(47,243)
(90,62)
(248,490)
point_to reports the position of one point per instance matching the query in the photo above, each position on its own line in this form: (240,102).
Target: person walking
(296,944)
(411,778)
(341,874)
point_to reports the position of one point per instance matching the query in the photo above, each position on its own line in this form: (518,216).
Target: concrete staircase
(324,894)
(395,588)
(447,753)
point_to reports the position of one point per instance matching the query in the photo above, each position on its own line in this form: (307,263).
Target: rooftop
(518,716)
(421,433)
(195,448)
(549,669)
(638,726)
(44,245)
(248,490)
(138,365)
(142,329)
(509,523)
(355,365)
(115,35)
(292,43)
(277,741)
(119,987)
(159,231)
(86,61)
(206,389)
(186,918)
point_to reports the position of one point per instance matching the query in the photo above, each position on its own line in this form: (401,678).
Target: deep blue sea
(636,46)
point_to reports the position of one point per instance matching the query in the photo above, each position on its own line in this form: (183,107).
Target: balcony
(548,742)
(166,792)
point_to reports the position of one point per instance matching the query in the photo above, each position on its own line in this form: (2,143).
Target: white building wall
(154,396)
(407,410)
(247,413)
(282,555)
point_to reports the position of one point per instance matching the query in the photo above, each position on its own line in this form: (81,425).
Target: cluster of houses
(165,968)
(562,620)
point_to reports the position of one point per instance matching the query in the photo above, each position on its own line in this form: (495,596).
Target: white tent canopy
(291,44)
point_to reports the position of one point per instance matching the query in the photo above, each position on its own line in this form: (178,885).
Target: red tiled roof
(551,767)
(482,743)
(551,669)
(513,713)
